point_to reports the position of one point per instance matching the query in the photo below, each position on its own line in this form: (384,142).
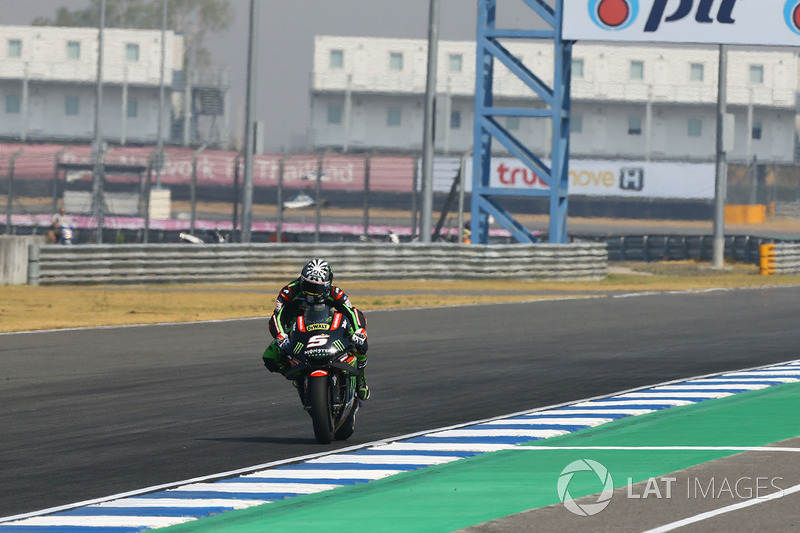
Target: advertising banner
(628,179)
(745,22)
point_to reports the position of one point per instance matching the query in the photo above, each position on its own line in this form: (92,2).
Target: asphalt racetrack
(89,413)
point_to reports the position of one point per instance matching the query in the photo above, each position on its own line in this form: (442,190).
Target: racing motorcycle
(322,364)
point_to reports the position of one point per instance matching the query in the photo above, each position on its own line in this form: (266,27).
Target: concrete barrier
(14,258)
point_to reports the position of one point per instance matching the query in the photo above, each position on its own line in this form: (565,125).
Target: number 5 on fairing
(318,340)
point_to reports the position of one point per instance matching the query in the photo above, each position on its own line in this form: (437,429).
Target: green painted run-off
(471,491)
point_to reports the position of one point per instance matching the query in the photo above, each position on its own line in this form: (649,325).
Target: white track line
(723,510)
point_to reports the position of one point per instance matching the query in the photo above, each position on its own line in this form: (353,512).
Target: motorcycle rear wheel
(320,407)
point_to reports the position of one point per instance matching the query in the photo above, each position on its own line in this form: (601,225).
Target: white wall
(605,97)
(47,116)
(44,54)
(52,76)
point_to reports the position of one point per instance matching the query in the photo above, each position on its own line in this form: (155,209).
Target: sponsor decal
(519,176)
(314,327)
(623,178)
(791,13)
(631,178)
(614,15)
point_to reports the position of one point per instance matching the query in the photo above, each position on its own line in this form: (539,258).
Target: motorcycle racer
(314,286)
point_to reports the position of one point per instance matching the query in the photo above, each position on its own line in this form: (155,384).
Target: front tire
(320,407)
(349,425)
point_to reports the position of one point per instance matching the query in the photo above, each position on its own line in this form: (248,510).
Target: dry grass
(31,308)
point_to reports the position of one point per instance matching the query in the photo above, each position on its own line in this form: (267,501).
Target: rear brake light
(319,373)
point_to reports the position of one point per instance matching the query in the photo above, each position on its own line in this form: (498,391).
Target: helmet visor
(313,288)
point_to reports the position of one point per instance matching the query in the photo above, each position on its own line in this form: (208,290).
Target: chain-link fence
(194,194)
(762,183)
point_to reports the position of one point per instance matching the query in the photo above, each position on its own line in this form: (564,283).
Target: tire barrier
(169,263)
(650,248)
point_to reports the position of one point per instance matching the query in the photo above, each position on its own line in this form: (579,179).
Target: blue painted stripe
(470,440)
(315,481)
(144,511)
(795,375)
(569,429)
(431,453)
(731,390)
(632,407)
(68,529)
(351,466)
(558,413)
(755,380)
(660,397)
(204,494)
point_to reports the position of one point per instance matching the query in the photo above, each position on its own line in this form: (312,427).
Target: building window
(637,70)
(393,117)
(456,62)
(14,48)
(697,72)
(455,120)
(577,68)
(757,74)
(334,114)
(133,109)
(634,126)
(396,61)
(73,50)
(337,59)
(576,124)
(756,130)
(132,52)
(695,127)
(12,104)
(71,105)
(512,123)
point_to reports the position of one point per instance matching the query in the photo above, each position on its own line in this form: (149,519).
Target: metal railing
(164,263)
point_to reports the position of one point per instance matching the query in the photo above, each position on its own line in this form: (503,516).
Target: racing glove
(283,342)
(360,337)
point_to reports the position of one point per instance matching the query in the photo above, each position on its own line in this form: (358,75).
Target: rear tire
(320,408)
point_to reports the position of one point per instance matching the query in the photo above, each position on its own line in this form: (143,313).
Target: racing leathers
(291,303)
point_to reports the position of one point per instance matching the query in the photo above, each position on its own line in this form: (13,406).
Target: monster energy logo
(339,345)
(298,348)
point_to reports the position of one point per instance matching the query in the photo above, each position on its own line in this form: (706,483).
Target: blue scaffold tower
(556,107)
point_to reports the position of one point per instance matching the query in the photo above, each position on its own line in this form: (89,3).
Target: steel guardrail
(183,263)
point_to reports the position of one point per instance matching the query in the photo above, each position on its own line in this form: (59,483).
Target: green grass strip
(471,491)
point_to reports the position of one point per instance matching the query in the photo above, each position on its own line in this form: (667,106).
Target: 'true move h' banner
(745,22)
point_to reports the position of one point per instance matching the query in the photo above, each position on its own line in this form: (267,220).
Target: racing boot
(362,389)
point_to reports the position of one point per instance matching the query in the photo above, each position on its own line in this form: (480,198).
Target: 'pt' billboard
(746,22)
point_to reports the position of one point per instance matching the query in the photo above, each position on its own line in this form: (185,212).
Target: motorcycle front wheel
(320,407)
(349,424)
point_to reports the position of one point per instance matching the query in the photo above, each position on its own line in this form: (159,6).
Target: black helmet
(316,278)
